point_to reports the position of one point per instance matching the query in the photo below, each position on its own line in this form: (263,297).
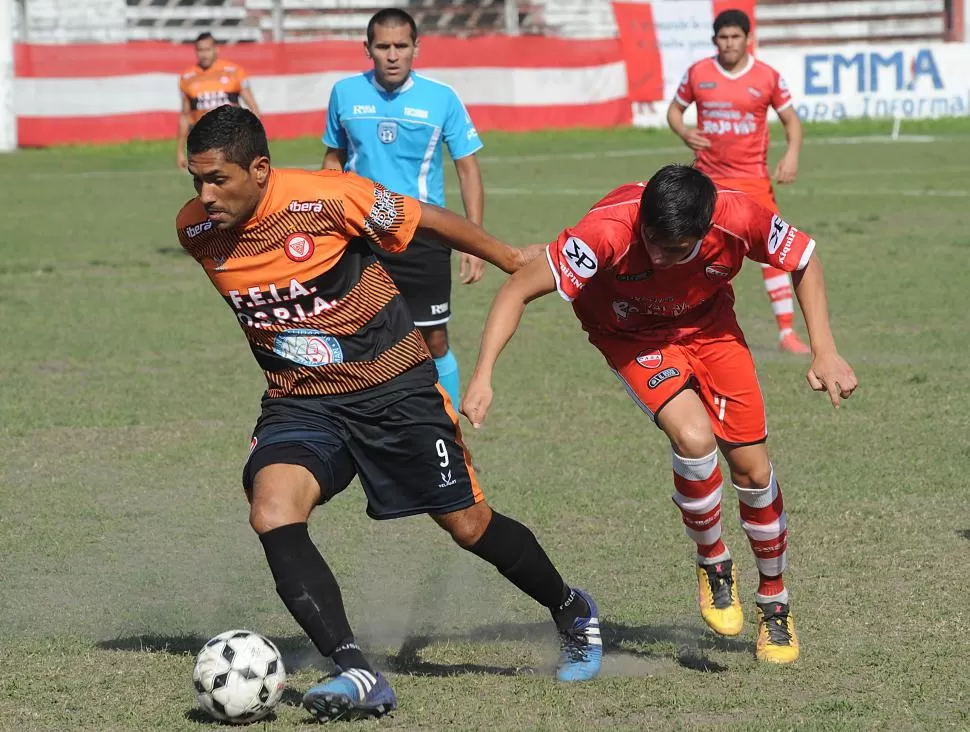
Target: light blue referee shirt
(395,138)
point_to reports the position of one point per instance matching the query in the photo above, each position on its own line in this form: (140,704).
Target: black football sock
(517,555)
(309,590)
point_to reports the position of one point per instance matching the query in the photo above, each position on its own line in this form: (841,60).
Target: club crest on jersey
(299,247)
(220,263)
(308,347)
(387,132)
(754,92)
(715,272)
(650,359)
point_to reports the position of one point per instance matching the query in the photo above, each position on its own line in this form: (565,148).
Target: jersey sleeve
(334,136)
(242,77)
(780,94)
(460,134)
(386,219)
(772,240)
(576,256)
(685,90)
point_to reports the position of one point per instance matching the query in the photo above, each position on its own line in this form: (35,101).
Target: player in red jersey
(733,91)
(648,271)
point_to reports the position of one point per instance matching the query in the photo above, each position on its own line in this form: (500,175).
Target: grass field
(128,395)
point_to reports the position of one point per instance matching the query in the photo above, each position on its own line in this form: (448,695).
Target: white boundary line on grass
(489,160)
(814,192)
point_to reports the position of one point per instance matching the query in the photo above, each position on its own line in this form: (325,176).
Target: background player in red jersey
(733,91)
(648,272)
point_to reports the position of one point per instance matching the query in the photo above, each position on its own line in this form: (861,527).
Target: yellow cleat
(777,641)
(717,594)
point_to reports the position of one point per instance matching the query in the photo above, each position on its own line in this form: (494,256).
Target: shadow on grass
(692,643)
(965,533)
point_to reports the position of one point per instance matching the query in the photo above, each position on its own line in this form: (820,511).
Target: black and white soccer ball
(239,676)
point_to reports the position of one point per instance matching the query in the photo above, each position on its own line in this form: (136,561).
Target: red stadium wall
(112,93)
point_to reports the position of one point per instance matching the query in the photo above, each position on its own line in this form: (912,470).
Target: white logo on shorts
(439,309)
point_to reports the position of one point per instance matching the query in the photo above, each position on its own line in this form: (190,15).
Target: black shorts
(401,438)
(422,273)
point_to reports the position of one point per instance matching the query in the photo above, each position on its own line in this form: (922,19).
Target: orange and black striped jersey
(321,314)
(209,88)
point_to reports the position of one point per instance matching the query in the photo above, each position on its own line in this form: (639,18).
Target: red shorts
(757,189)
(716,364)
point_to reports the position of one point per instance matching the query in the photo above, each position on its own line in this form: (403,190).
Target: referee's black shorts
(422,273)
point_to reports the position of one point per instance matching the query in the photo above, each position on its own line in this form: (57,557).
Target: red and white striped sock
(778,285)
(697,492)
(763,520)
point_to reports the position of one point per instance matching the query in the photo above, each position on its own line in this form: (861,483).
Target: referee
(388,124)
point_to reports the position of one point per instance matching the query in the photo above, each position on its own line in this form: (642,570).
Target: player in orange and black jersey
(210,83)
(352,389)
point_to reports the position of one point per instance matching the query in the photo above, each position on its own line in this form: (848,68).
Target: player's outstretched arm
(529,283)
(829,372)
(462,235)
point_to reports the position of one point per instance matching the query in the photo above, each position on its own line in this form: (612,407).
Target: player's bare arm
(460,234)
(185,122)
(690,135)
(473,199)
(334,159)
(531,282)
(829,372)
(787,168)
(246,94)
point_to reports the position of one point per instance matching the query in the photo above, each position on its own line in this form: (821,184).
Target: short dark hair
(205,37)
(236,132)
(732,19)
(392,17)
(677,203)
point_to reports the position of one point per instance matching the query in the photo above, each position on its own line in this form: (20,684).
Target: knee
(274,503)
(751,476)
(466,527)
(692,440)
(437,341)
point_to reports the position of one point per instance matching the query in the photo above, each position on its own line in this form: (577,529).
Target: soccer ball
(239,676)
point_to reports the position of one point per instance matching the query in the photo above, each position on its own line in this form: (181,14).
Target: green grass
(128,396)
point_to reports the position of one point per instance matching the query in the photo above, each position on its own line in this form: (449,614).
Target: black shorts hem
(466,502)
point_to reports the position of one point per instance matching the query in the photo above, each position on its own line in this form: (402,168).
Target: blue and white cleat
(351,694)
(582,646)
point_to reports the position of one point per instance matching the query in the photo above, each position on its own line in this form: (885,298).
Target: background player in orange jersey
(352,390)
(210,83)
(648,272)
(733,91)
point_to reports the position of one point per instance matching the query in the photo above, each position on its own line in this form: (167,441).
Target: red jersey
(732,112)
(602,267)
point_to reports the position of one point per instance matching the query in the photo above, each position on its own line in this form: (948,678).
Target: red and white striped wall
(113,93)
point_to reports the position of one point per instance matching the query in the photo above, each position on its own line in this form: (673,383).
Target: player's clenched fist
(476,401)
(831,373)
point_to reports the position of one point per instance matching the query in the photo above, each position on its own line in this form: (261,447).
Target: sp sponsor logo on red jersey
(299,247)
(305,206)
(715,272)
(779,228)
(581,258)
(650,359)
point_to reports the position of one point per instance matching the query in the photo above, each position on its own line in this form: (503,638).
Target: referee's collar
(400,90)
